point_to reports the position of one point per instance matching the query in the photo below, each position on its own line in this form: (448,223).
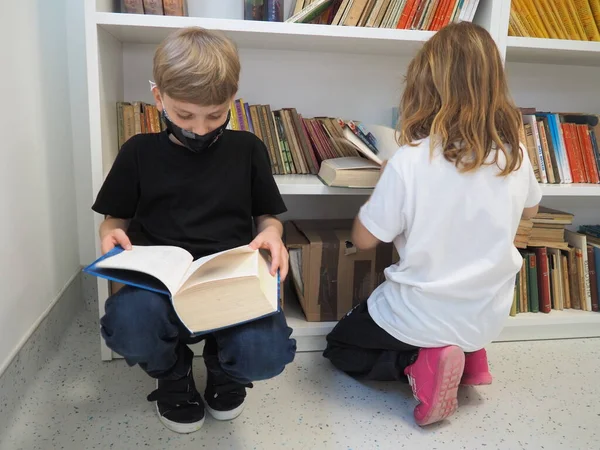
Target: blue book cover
(554,143)
(212,293)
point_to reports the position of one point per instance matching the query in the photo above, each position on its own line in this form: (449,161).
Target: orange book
(588,152)
(408,13)
(441,8)
(452,12)
(448,6)
(584,12)
(575,162)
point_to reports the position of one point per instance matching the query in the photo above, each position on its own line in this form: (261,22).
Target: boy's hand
(113,238)
(270,239)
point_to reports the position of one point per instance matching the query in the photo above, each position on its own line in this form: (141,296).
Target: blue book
(215,292)
(556,147)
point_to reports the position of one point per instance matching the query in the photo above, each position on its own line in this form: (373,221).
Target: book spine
(297,155)
(584,12)
(248,117)
(551,171)
(271,141)
(304,140)
(576,169)
(531,151)
(518,291)
(533,283)
(254,9)
(565,281)
(585,132)
(274,10)
(573,280)
(239,116)
(543,276)
(406,16)
(133,6)
(596,150)
(173,7)
(555,155)
(540,152)
(563,149)
(153,7)
(581,136)
(593,279)
(359,134)
(256,122)
(120,124)
(597,269)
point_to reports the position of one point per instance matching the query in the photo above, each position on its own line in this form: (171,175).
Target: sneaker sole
(225,415)
(177,427)
(479,380)
(449,372)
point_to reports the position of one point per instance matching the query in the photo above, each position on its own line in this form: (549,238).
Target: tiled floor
(546,395)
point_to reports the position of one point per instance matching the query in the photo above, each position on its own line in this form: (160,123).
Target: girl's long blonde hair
(456,92)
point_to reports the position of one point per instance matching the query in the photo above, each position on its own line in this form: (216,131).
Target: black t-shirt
(203,202)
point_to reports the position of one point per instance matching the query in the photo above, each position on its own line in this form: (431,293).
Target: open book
(214,292)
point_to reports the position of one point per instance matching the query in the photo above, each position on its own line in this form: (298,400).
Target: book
(211,293)
(543,278)
(174,7)
(133,6)
(254,9)
(153,7)
(555,19)
(350,172)
(532,279)
(579,241)
(310,12)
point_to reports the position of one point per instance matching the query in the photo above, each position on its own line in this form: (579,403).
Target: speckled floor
(546,395)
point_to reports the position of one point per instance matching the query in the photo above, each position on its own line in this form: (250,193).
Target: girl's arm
(362,238)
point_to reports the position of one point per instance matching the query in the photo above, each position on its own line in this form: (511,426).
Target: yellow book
(522,18)
(565,18)
(576,20)
(234,120)
(561,28)
(530,19)
(595,5)
(584,11)
(511,29)
(518,25)
(545,18)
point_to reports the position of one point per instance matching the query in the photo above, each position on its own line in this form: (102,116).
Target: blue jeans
(142,327)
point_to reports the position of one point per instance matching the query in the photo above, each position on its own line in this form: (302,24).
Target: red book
(408,13)
(439,15)
(446,20)
(574,161)
(578,150)
(588,154)
(543,273)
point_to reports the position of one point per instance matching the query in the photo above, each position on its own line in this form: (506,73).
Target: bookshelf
(317,69)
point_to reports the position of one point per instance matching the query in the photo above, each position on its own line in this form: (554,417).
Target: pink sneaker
(434,379)
(476,372)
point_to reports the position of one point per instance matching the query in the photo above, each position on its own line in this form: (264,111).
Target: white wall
(38,228)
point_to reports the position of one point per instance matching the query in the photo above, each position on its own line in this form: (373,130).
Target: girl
(450,199)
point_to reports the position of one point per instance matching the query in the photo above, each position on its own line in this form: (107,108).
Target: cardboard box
(332,275)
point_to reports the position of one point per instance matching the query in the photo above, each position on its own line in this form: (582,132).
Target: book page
(167,264)
(352,163)
(237,263)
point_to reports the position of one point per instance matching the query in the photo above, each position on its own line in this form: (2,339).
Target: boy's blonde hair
(456,92)
(198,66)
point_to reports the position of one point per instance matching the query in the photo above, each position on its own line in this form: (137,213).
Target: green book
(532,283)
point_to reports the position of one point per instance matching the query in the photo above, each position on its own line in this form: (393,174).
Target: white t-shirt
(454,233)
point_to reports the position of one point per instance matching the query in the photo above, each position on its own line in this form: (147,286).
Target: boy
(197,186)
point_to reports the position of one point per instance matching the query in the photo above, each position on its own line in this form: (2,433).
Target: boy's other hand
(113,238)
(271,240)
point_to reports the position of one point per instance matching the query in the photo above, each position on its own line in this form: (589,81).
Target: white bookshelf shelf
(567,324)
(552,51)
(312,185)
(148,29)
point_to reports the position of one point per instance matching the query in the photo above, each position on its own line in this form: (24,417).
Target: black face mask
(195,142)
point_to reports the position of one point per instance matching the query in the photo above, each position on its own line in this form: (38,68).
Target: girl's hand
(270,240)
(113,238)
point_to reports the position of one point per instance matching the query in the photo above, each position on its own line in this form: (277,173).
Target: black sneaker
(224,398)
(178,404)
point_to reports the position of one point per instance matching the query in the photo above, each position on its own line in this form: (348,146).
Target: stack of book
(155,7)
(429,15)
(299,145)
(135,118)
(563,148)
(555,19)
(560,267)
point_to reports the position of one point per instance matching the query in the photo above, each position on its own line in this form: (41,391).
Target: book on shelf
(136,118)
(211,293)
(563,147)
(555,19)
(427,15)
(351,172)
(155,7)
(265,10)
(560,267)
